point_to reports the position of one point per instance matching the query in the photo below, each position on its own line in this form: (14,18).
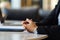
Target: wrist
(35,30)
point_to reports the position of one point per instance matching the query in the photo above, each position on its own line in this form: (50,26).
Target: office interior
(12,12)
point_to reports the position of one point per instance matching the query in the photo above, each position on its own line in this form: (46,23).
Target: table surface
(21,36)
(24,35)
(11,25)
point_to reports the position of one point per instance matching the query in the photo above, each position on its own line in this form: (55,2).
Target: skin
(29,25)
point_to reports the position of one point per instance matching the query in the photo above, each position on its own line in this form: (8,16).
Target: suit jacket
(52,19)
(53,32)
(46,26)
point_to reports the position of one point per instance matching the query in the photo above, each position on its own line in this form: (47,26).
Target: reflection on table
(21,36)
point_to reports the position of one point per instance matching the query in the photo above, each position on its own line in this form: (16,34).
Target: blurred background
(43,4)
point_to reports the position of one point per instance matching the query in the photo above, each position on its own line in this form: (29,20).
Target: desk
(9,35)
(9,27)
(12,28)
(20,36)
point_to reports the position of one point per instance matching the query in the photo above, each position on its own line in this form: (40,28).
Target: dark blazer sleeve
(44,26)
(53,17)
(48,29)
(53,32)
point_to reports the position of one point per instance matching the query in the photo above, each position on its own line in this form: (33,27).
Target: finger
(29,20)
(24,25)
(23,22)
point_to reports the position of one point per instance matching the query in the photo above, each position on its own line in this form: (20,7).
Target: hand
(29,25)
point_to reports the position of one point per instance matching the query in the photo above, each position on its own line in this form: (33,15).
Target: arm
(53,32)
(48,29)
(53,16)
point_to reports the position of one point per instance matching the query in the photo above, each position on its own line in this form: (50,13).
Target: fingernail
(27,19)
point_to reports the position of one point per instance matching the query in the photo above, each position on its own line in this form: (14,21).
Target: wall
(15,4)
(53,3)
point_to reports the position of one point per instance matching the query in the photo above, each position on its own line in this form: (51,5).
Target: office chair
(22,14)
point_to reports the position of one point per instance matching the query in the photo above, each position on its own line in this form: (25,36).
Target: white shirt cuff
(35,31)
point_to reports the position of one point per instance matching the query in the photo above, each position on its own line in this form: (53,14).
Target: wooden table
(21,36)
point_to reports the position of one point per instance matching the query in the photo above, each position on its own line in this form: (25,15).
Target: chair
(22,14)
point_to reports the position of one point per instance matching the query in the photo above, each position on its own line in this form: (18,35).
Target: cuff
(35,30)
